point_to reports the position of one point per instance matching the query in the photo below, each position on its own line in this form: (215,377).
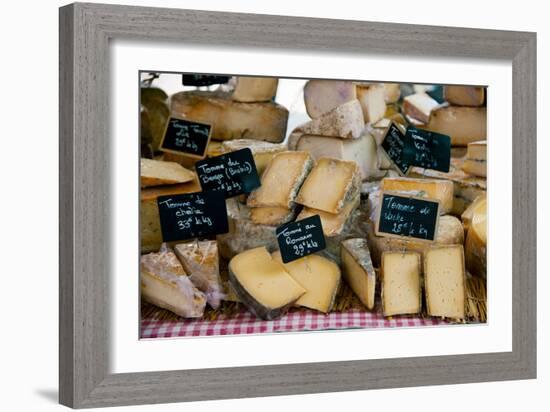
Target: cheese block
(465,95)
(345,121)
(476,241)
(477,151)
(372,100)
(154,101)
(362,150)
(445,281)
(333,223)
(273,216)
(262,151)
(469,212)
(463,124)
(263,284)
(164,283)
(281,180)
(475,167)
(476,159)
(449,232)
(255,89)
(149,219)
(392,92)
(200,260)
(322,96)
(319,276)
(330,185)
(158,172)
(230,119)
(442,190)
(418,106)
(358,270)
(401,293)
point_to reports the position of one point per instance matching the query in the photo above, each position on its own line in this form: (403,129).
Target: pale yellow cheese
(463,124)
(476,159)
(255,89)
(345,121)
(263,284)
(392,92)
(475,167)
(476,241)
(444,281)
(372,99)
(281,180)
(158,172)
(469,211)
(419,106)
(465,95)
(322,96)
(273,216)
(319,276)
(401,293)
(330,184)
(358,270)
(262,151)
(442,190)
(477,150)
(333,223)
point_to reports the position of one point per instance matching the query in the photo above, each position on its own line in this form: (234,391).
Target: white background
(29,169)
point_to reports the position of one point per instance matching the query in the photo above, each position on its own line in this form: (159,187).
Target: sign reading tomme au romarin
(186,137)
(301,238)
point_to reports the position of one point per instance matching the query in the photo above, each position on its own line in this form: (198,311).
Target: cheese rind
(319,276)
(255,89)
(463,124)
(344,178)
(273,216)
(372,100)
(230,119)
(158,172)
(445,281)
(200,260)
(333,223)
(322,96)
(464,95)
(419,106)
(263,284)
(442,190)
(476,241)
(281,180)
(401,290)
(262,151)
(358,270)
(345,121)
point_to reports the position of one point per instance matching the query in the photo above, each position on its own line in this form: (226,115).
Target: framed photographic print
(281,205)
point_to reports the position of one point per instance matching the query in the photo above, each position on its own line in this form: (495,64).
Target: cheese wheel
(476,241)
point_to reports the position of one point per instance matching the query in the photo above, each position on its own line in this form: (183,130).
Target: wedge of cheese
(465,95)
(200,260)
(281,180)
(343,178)
(333,223)
(262,151)
(164,283)
(358,270)
(476,159)
(401,290)
(463,124)
(476,241)
(230,119)
(392,92)
(149,219)
(158,172)
(319,276)
(322,96)
(442,190)
(418,106)
(273,216)
(362,150)
(255,89)
(345,121)
(263,284)
(445,281)
(372,98)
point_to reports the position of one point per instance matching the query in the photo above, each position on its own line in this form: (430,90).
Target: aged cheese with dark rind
(322,96)
(358,270)
(158,172)
(255,89)
(465,95)
(401,283)
(463,124)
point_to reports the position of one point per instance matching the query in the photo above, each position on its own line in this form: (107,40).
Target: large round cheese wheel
(475,251)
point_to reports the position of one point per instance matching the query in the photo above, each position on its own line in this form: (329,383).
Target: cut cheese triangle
(158,172)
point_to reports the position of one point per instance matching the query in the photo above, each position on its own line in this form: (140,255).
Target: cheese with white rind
(362,150)
(464,95)
(419,106)
(344,179)
(230,119)
(164,283)
(262,152)
(333,223)
(345,121)
(200,260)
(273,216)
(463,124)
(322,96)
(445,281)
(319,276)
(255,89)
(372,100)
(401,287)
(158,172)
(281,180)
(442,190)
(263,284)
(358,270)
(476,241)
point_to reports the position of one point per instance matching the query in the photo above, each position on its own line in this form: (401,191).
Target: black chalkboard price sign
(407,217)
(427,149)
(394,145)
(233,173)
(192,215)
(301,238)
(186,137)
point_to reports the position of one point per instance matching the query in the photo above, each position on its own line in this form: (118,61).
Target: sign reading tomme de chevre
(301,238)
(186,137)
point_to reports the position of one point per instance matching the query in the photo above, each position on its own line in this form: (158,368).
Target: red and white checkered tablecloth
(246,323)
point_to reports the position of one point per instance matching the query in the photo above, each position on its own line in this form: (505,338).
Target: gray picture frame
(85,32)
